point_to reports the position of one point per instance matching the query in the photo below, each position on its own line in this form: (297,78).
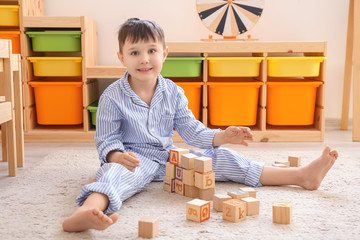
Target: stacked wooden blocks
(237,204)
(189,175)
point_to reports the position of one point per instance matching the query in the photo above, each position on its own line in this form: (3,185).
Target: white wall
(282,20)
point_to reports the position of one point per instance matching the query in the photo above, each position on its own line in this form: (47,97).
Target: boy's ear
(120,57)
(166,51)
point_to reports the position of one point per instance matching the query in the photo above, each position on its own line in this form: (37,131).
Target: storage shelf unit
(88,28)
(262,131)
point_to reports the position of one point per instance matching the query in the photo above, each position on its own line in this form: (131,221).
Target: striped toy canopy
(229,18)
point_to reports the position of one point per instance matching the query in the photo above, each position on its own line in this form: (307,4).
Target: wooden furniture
(352,69)
(93,74)
(88,28)
(11,118)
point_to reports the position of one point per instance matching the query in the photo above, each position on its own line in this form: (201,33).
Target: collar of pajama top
(126,122)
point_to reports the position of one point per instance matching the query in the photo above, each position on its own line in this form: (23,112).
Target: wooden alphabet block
(178,173)
(218,200)
(205,180)
(187,160)
(234,210)
(294,161)
(189,177)
(250,190)
(252,206)
(175,155)
(179,187)
(170,170)
(203,164)
(282,212)
(198,210)
(191,191)
(238,194)
(169,184)
(206,194)
(287,163)
(148,227)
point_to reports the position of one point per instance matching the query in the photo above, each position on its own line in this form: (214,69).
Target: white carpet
(33,206)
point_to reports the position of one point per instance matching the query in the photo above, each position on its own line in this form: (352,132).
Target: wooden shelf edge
(105,71)
(51,22)
(59,136)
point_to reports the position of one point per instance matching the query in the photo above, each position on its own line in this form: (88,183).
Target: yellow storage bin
(9,15)
(56,66)
(294,66)
(14,36)
(58,103)
(233,103)
(193,94)
(234,66)
(291,102)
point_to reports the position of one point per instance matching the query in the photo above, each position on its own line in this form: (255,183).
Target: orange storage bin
(58,103)
(291,102)
(14,36)
(193,94)
(233,103)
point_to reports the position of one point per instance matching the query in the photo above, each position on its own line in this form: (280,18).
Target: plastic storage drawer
(233,103)
(14,36)
(291,102)
(56,66)
(58,103)
(234,66)
(182,67)
(193,93)
(9,15)
(92,108)
(55,41)
(294,66)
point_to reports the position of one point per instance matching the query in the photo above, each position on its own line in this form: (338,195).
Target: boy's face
(143,60)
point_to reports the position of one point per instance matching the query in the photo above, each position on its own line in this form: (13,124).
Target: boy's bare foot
(85,218)
(314,173)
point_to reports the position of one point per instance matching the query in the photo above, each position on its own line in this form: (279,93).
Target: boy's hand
(127,159)
(238,135)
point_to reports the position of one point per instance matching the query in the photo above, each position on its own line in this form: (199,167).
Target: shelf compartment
(56,66)
(233,103)
(58,103)
(182,67)
(291,102)
(55,41)
(294,66)
(234,66)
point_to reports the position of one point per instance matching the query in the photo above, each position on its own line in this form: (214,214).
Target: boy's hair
(135,30)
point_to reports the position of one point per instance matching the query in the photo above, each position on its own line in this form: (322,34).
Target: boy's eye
(134,53)
(152,51)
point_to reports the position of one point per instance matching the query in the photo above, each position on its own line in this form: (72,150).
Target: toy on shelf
(229,18)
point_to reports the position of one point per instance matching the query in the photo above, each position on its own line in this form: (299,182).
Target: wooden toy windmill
(229,18)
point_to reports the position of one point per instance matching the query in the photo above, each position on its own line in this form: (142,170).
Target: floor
(334,137)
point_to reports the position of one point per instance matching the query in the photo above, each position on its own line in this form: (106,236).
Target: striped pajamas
(125,123)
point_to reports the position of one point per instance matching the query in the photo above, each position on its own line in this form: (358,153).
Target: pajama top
(126,123)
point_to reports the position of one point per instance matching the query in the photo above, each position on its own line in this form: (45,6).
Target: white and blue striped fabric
(125,123)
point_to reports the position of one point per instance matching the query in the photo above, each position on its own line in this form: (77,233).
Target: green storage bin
(92,108)
(182,67)
(55,41)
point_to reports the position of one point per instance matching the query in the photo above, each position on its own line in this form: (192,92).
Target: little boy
(134,127)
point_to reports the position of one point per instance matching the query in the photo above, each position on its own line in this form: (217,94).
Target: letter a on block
(173,158)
